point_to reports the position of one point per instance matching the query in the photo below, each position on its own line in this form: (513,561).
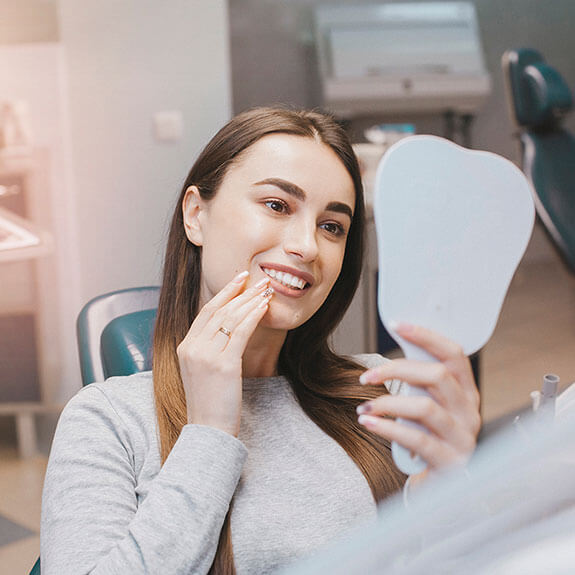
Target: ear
(192,208)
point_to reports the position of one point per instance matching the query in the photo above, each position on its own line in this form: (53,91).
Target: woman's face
(283,210)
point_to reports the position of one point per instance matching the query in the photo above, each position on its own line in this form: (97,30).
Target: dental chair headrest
(547,96)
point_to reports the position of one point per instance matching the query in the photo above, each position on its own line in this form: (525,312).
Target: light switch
(169,125)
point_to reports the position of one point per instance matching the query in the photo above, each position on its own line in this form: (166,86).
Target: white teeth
(286,279)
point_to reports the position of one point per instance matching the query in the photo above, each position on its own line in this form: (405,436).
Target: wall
(94,74)
(125,62)
(25,21)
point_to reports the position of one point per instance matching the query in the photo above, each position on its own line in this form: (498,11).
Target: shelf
(28,280)
(20,239)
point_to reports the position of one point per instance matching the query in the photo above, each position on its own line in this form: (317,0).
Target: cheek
(334,263)
(232,249)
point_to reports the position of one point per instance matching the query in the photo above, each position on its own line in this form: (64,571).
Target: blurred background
(103,108)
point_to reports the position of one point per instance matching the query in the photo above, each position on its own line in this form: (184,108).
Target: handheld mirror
(452,225)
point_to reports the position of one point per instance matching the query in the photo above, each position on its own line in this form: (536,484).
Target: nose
(301,240)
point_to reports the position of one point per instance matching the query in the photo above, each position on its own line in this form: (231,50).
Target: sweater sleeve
(91,519)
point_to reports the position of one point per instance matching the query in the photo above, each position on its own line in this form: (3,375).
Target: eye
(334,228)
(278,206)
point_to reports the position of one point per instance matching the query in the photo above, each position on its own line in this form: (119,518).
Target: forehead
(306,162)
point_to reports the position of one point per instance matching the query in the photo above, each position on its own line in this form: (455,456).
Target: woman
(245,451)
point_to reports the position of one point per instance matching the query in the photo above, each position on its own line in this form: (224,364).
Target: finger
(234,312)
(434,377)
(245,329)
(423,410)
(237,329)
(435,452)
(434,343)
(229,291)
(441,347)
(222,337)
(458,425)
(415,372)
(446,382)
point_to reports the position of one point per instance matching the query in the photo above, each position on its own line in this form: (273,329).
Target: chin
(283,320)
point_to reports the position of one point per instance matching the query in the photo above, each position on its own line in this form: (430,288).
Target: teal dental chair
(539,99)
(114,333)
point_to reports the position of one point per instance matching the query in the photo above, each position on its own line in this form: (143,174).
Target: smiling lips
(286,279)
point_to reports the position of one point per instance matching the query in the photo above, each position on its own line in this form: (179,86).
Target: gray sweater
(110,507)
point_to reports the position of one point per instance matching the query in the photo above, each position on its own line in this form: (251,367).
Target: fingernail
(400,326)
(241,277)
(366,377)
(364,408)
(367,420)
(268,293)
(262,283)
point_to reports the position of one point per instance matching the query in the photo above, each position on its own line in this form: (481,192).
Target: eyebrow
(299,194)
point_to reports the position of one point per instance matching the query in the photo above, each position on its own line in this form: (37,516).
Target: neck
(262,353)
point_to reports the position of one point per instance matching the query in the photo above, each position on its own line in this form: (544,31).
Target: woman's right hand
(211,361)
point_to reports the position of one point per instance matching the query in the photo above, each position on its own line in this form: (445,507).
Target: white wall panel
(126,61)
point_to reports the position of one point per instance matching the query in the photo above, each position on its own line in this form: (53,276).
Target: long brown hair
(325,383)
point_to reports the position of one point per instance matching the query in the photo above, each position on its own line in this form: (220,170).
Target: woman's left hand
(450,414)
